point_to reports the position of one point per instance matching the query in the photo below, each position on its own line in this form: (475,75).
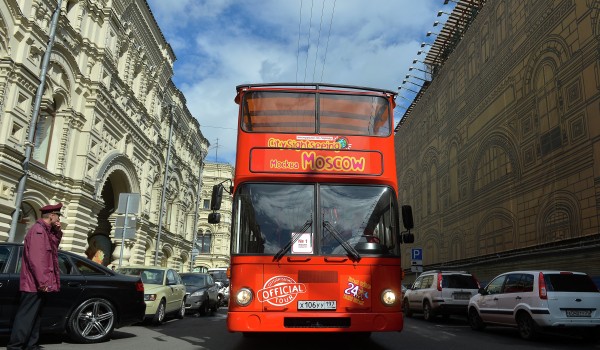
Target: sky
(220,44)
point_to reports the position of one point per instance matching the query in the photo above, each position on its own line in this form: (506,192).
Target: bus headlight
(243,297)
(388,297)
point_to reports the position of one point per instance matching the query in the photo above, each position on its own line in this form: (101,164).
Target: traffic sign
(416,268)
(129,203)
(417,254)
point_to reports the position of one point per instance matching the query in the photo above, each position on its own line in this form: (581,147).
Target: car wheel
(159,316)
(204,308)
(527,327)
(475,320)
(181,312)
(92,321)
(215,307)
(428,314)
(406,308)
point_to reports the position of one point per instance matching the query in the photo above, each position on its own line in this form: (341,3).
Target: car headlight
(243,297)
(197,293)
(388,297)
(149,297)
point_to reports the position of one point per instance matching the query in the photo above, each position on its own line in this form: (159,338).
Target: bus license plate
(316,305)
(579,313)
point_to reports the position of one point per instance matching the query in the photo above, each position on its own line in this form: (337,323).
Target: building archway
(118,176)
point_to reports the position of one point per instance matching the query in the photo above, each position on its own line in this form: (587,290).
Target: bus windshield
(271,216)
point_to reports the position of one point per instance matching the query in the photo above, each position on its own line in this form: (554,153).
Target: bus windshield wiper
(295,238)
(350,249)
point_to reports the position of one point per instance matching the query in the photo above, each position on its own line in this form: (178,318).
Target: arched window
(472,64)
(453,176)
(43,135)
(486,43)
(547,108)
(203,242)
(72,12)
(494,166)
(502,28)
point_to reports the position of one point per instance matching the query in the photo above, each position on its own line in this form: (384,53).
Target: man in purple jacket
(40,274)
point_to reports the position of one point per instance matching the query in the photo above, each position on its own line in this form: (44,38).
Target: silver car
(537,300)
(202,293)
(440,293)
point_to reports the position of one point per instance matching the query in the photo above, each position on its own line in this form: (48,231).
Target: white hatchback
(536,300)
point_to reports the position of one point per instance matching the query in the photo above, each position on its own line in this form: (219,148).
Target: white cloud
(222,44)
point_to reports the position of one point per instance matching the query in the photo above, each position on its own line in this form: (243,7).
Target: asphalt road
(210,332)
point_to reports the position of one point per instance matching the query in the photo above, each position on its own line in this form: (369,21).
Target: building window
(41,141)
(203,242)
(206,204)
(547,108)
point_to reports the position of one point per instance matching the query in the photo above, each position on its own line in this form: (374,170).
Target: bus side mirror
(407,220)
(214,218)
(407,217)
(216,197)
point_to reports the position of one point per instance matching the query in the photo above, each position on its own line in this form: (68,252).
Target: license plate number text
(316,305)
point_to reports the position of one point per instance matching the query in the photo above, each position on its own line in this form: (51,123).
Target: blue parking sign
(417,254)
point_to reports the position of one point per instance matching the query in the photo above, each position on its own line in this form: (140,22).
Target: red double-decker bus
(315,238)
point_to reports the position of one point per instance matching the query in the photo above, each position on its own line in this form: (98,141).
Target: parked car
(223,293)
(440,293)
(537,300)
(219,274)
(93,300)
(201,292)
(164,291)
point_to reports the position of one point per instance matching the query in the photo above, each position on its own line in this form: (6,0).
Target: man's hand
(43,289)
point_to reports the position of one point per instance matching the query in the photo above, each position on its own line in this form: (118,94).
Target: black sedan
(202,293)
(92,302)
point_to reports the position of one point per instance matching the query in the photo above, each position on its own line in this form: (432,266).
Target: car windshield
(149,276)
(194,280)
(568,282)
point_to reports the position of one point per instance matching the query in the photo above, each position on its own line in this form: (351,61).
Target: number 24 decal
(352,289)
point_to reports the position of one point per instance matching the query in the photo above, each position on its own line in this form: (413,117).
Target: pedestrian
(40,274)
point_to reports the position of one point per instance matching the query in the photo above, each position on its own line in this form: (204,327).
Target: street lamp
(196,213)
(408,99)
(411,68)
(408,81)
(405,88)
(164,188)
(36,110)
(414,76)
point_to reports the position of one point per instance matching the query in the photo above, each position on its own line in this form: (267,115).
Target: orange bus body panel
(356,289)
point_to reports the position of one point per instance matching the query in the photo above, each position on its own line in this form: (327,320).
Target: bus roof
(314,86)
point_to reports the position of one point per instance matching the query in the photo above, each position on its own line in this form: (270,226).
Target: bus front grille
(316,322)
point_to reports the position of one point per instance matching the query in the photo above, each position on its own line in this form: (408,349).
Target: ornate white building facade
(104,125)
(212,241)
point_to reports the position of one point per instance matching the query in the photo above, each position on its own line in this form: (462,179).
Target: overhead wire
(328,35)
(318,41)
(308,41)
(298,52)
